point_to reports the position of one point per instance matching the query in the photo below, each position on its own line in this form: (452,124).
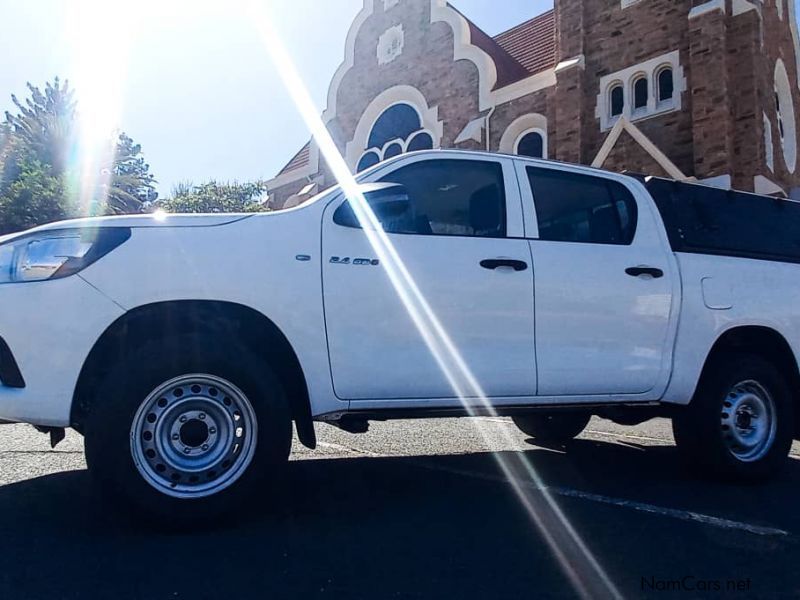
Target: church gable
(400,55)
(423,56)
(428,49)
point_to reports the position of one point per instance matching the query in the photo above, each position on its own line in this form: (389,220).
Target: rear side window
(572,207)
(454,197)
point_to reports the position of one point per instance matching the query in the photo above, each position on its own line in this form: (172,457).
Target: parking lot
(415,510)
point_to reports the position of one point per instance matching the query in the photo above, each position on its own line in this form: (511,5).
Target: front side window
(572,207)
(441,197)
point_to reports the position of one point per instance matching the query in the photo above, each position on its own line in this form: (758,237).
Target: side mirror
(389,203)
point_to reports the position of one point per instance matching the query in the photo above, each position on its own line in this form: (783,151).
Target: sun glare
(100,49)
(100,53)
(578,563)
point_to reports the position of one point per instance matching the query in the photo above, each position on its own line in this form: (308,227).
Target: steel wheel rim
(194,436)
(748,421)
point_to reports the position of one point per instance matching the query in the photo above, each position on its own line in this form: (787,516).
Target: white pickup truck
(448,283)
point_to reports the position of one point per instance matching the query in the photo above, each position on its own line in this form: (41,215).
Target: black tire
(109,440)
(553,429)
(709,430)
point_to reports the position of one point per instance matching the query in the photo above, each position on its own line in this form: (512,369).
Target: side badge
(359,262)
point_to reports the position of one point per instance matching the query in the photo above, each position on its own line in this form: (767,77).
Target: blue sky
(196,87)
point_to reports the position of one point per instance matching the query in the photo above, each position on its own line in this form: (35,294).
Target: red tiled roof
(299,160)
(508,69)
(532,43)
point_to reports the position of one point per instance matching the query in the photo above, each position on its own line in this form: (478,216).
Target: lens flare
(587,576)
(100,36)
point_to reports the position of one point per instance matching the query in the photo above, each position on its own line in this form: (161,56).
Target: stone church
(703,90)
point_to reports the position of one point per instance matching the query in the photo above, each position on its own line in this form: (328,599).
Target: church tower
(709,88)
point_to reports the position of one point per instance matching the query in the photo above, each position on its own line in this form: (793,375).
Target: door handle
(497,263)
(639,271)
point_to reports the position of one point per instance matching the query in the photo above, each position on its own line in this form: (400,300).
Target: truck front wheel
(188,428)
(553,429)
(739,423)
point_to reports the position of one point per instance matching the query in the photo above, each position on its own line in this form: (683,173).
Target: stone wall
(617,38)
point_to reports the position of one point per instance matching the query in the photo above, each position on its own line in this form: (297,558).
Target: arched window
(398,121)
(780,118)
(617,100)
(392,150)
(397,130)
(370,159)
(666,85)
(526,136)
(531,144)
(785,116)
(421,141)
(641,93)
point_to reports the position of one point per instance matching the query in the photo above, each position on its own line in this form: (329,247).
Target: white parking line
(629,436)
(683,515)
(674,513)
(351,450)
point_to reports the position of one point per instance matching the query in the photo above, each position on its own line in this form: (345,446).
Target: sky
(191,80)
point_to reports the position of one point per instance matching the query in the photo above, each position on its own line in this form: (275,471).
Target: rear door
(604,283)
(463,231)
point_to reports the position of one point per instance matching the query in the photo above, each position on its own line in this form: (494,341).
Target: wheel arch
(158,320)
(765,342)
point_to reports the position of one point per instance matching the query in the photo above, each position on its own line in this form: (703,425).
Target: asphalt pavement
(451,508)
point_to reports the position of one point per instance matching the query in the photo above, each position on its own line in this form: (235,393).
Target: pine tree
(43,140)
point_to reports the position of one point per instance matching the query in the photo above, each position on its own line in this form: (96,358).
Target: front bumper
(49,328)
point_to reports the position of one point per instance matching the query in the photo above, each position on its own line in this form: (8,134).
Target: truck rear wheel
(553,429)
(739,423)
(186,429)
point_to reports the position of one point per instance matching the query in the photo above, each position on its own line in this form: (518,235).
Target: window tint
(451,197)
(581,208)
(389,205)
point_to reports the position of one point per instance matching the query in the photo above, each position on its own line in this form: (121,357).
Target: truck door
(604,283)
(458,231)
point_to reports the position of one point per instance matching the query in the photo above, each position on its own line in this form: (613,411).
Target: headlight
(56,254)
